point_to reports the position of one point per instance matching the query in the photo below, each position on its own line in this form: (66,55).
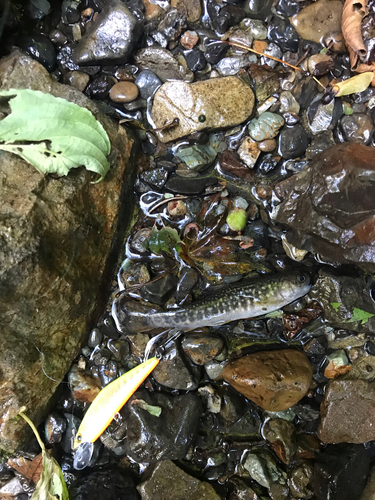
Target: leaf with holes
(53,134)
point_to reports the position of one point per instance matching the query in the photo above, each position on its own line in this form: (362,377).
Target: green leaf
(163,240)
(335,305)
(53,134)
(152,409)
(51,485)
(360,315)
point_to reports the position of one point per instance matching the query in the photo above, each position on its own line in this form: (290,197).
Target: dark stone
(341,471)
(195,60)
(268,164)
(201,347)
(68,243)
(110,38)
(150,438)
(106,484)
(95,337)
(65,62)
(370,348)
(156,177)
(357,127)
(37,9)
(176,371)
(336,219)
(99,87)
(148,83)
(54,428)
(283,34)
(320,143)
(224,17)
(159,291)
(293,142)
(108,373)
(259,9)
(172,24)
(40,48)
(258,230)
(187,186)
(188,280)
(289,8)
(215,51)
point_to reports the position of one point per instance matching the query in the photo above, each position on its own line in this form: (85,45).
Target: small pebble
(87,13)
(58,37)
(260,45)
(267,146)
(177,208)
(264,192)
(189,39)
(77,79)
(124,92)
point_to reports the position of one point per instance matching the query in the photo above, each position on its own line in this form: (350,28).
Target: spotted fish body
(238,301)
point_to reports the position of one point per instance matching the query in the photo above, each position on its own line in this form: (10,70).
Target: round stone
(267,145)
(123,92)
(274,380)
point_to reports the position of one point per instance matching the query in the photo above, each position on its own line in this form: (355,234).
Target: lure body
(110,400)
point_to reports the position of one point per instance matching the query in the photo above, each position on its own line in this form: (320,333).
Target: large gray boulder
(58,242)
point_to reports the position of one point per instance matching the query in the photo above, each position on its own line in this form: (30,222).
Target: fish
(241,300)
(110,400)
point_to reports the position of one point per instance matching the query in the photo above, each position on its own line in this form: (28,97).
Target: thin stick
(25,417)
(240,46)
(318,82)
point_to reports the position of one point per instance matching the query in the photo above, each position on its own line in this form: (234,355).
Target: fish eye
(301,278)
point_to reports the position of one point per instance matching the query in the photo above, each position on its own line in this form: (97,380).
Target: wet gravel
(218,185)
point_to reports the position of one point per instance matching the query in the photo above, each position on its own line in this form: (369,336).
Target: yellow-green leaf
(53,134)
(357,83)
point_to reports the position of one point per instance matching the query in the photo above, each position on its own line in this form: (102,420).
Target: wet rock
(223,102)
(148,83)
(189,39)
(230,66)
(320,64)
(54,428)
(267,145)
(369,491)
(110,37)
(266,166)
(267,81)
(263,469)
(99,87)
(169,482)
(320,143)
(162,64)
(288,103)
(57,37)
(199,156)
(274,380)
(357,127)
(283,34)
(123,92)
(255,27)
(77,79)
(152,11)
(186,186)
(195,60)
(168,437)
(259,9)
(336,222)
(318,19)
(172,24)
(136,274)
(281,435)
(215,51)
(222,16)
(188,279)
(191,9)
(159,291)
(340,472)
(300,480)
(84,387)
(202,347)
(273,50)
(40,48)
(293,142)
(249,152)
(42,239)
(266,126)
(105,484)
(348,412)
(175,371)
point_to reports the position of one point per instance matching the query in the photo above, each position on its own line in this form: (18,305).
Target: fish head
(294,285)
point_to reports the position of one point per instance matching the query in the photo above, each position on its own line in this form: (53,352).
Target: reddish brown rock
(329,207)
(348,412)
(274,380)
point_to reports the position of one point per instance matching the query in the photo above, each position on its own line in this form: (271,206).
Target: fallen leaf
(31,469)
(357,83)
(335,305)
(363,68)
(360,315)
(295,322)
(353,13)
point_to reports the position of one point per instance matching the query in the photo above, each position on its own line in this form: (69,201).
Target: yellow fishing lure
(110,400)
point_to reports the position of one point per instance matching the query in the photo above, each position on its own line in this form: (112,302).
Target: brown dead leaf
(333,371)
(294,323)
(353,13)
(31,469)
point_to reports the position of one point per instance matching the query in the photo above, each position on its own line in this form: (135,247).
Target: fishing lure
(110,400)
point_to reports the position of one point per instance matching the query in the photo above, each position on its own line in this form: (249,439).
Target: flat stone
(319,19)
(348,412)
(274,380)
(214,103)
(169,482)
(58,243)
(192,9)
(161,62)
(110,38)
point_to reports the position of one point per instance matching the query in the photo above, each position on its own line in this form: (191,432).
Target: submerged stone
(214,103)
(335,215)
(318,20)
(266,126)
(59,242)
(274,380)
(110,38)
(161,62)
